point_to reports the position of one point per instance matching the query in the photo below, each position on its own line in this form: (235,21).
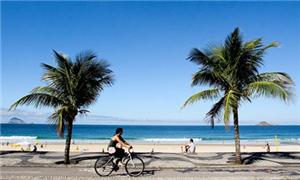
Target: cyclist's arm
(125,142)
(121,142)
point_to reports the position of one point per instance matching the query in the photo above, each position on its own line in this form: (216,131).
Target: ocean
(150,134)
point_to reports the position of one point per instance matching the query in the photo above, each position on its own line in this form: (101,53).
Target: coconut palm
(71,87)
(232,72)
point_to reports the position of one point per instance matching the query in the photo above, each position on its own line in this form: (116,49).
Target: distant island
(15,120)
(263,123)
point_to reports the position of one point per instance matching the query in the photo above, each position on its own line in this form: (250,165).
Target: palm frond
(62,60)
(270,89)
(215,111)
(233,45)
(57,119)
(248,62)
(254,44)
(206,94)
(231,101)
(219,54)
(211,78)
(273,44)
(57,78)
(84,56)
(276,76)
(48,67)
(38,100)
(47,90)
(83,111)
(91,78)
(198,57)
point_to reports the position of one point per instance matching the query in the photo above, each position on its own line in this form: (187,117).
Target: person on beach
(189,148)
(34,148)
(268,147)
(116,145)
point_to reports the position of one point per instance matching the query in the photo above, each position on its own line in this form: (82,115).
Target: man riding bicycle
(133,164)
(116,145)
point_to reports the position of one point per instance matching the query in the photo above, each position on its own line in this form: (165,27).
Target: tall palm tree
(71,87)
(232,70)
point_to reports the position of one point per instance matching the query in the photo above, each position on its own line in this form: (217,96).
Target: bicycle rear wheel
(134,166)
(104,166)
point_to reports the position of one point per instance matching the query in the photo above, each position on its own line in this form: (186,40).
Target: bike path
(155,160)
(211,173)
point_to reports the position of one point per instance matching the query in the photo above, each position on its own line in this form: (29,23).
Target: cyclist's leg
(115,163)
(123,156)
(120,154)
(117,157)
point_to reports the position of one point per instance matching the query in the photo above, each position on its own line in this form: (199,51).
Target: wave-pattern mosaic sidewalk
(156,160)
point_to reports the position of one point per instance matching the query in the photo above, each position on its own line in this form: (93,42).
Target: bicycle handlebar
(130,150)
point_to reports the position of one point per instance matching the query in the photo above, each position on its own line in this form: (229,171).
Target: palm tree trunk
(68,142)
(237,137)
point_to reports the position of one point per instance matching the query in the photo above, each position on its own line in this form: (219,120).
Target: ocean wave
(18,137)
(171,139)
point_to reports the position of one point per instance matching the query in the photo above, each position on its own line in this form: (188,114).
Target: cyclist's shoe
(115,167)
(121,164)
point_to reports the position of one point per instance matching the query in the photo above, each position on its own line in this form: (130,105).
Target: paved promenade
(47,165)
(156,160)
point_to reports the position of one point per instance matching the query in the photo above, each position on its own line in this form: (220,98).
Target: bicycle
(134,165)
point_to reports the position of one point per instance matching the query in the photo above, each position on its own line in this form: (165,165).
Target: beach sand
(161,147)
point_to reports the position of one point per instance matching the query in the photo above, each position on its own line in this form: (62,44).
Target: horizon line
(155,124)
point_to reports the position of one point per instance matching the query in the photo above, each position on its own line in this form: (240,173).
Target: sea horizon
(93,124)
(152,133)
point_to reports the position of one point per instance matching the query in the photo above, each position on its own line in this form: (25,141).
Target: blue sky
(146,44)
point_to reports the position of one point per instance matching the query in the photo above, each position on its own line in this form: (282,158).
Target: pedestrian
(34,148)
(268,147)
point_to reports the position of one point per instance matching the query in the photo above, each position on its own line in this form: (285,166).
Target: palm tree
(232,70)
(71,87)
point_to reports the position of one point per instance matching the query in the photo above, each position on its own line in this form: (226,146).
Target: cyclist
(116,145)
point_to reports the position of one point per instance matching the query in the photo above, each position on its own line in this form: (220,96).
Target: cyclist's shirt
(113,143)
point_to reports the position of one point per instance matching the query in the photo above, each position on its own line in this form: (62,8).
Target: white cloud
(41,117)
(27,116)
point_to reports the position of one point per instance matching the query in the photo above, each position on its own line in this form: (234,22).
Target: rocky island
(263,123)
(15,120)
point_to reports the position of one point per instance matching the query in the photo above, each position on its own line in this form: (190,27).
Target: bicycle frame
(110,159)
(130,156)
(126,160)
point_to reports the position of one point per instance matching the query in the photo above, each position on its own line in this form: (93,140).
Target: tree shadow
(21,152)
(77,160)
(146,173)
(254,157)
(284,155)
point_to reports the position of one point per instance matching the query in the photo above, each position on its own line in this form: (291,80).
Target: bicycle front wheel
(134,166)
(104,166)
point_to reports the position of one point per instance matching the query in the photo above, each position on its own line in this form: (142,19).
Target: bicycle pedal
(116,168)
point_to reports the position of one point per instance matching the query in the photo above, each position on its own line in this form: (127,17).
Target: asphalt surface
(161,166)
(218,173)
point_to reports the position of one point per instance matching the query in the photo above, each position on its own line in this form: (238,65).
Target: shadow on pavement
(254,157)
(20,152)
(146,173)
(77,160)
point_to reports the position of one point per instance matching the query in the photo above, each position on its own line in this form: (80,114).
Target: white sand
(170,148)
